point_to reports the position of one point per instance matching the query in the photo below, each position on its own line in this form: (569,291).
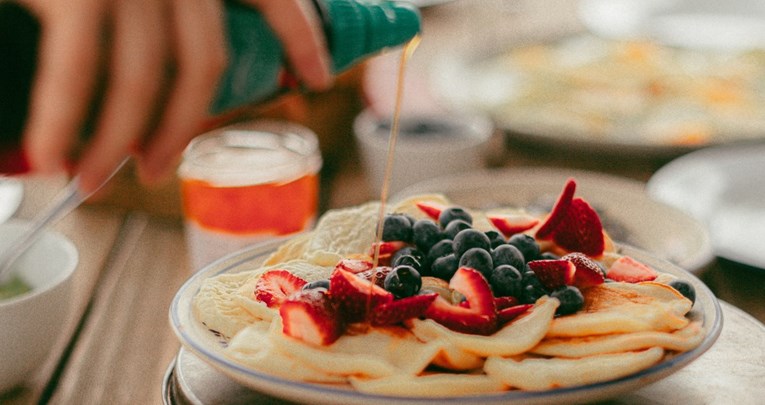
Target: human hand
(151,67)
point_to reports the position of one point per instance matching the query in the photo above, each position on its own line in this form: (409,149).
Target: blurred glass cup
(428,145)
(247,183)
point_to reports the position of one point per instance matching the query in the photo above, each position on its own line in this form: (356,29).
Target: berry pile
(514,267)
(442,268)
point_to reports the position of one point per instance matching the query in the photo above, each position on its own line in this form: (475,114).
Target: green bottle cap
(358,28)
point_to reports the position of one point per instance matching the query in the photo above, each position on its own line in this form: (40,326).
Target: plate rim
(296,390)
(721,155)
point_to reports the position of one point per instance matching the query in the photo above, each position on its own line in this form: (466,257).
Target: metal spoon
(69,199)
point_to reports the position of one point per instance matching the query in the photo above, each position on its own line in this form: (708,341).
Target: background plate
(628,214)
(196,338)
(579,92)
(723,187)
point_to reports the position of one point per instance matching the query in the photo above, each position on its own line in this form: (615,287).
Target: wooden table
(117,343)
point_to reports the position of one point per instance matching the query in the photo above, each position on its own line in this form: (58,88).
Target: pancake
(622,308)
(516,337)
(218,304)
(680,340)
(542,374)
(376,352)
(252,348)
(430,385)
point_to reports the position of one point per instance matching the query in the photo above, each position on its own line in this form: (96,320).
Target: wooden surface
(118,342)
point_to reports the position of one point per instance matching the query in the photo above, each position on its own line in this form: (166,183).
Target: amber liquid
(406,54)
(269,209)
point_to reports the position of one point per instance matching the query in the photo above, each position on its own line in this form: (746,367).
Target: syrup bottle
(257,72)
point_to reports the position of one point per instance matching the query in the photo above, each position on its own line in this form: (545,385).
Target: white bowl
(32,322)
(428,145)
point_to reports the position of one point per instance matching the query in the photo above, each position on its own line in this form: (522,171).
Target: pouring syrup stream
(405,55)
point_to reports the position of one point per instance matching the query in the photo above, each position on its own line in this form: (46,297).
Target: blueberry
(571,300)
(526,244)
(508,254)
(445,266)
(495,238)
(530,294)
(425,234)
(455,227)
(317,284)
(454,213)
(532,288)
(685,288)
(410,255)
(397,227)
(441,248)
(550,256)
(506,280)
(479,259)
(468,239)
(403,281)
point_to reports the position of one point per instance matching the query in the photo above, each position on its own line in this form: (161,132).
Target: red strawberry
(431,209)
(354,295)
(553,274)
(310,316)
(377,274)
(559,210)
(510,224)
(506,315)
(274,286)
(630,270)
(505,302)
(387,249)
(355,266)
(588,273)
(398,311)
(581,230)
(461,319)
(478,316)
(473,285)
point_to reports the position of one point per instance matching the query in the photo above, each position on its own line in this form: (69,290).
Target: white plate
(578,93)
(724,187)
(704,24)
(196,338)
(628,214)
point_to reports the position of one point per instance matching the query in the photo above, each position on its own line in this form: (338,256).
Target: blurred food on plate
(626,91)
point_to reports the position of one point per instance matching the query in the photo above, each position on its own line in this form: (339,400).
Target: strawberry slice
(377,275)
(355,266)
(558,212)
(553,274)
(478,316)
(473,285)
(505,302)
(588,272)
(506,315)
(461,319)
(630,270)
(581,230)
(387,249)
(510,224)
(274,286)
(431,209)
(310,316)
(354,295)
(398,311)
